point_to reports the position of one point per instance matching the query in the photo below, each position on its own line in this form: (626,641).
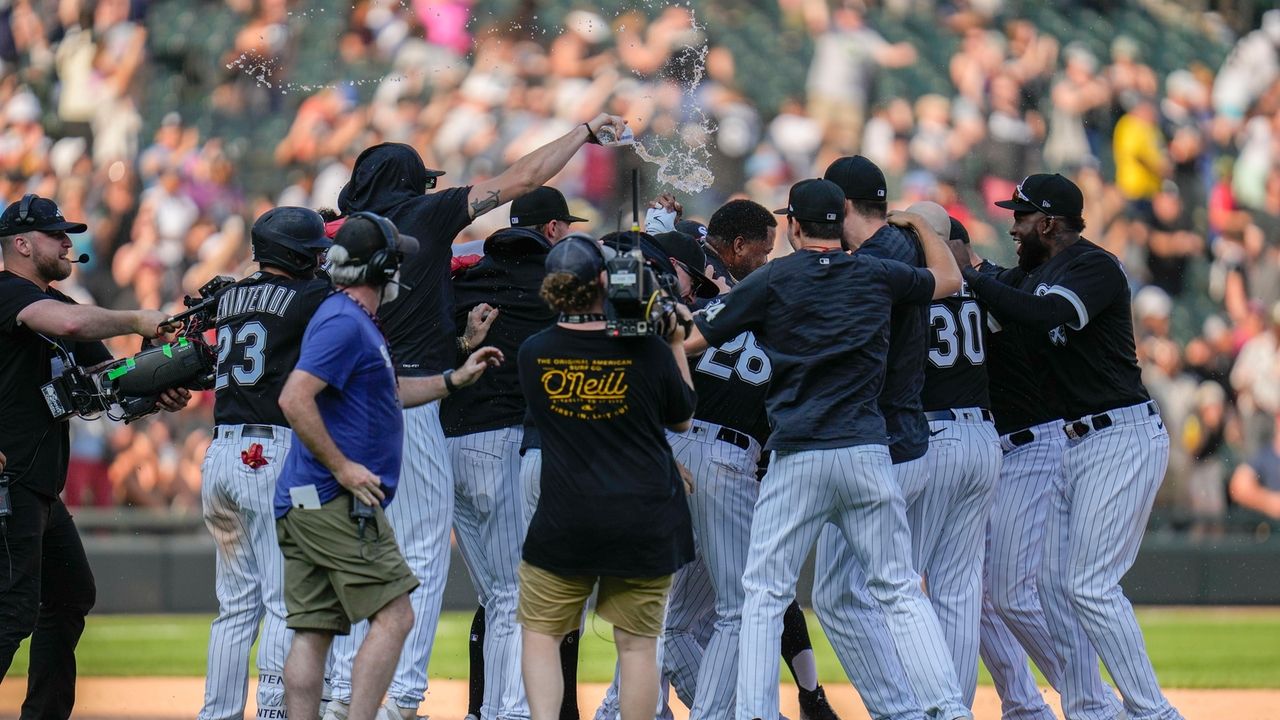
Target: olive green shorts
(332,577)
(552,604)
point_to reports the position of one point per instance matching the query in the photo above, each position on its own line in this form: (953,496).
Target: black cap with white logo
(815,200)
(858,177)
(1049,194)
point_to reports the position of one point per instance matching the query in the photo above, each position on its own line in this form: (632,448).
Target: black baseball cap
(958,232)
(858,177)
(688,252)
(364,234)
(578,256)
(692,228)
(1048,194)
(541,205)
(814,200)
(33,212)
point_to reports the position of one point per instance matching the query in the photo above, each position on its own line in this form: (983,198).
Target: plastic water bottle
(607,137)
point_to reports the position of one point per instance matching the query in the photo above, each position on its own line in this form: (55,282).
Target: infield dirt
(179,699)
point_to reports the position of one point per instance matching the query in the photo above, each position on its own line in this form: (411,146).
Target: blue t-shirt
(822,318)
(360,406)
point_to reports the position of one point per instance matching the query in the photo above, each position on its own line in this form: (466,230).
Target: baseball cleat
(814,705)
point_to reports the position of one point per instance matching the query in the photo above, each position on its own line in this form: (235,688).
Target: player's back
(260,322)
(955,374)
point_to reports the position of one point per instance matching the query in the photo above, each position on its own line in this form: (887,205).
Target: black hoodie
(508,278)
(390,180)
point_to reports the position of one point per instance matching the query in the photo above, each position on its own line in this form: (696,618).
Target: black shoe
(814,705)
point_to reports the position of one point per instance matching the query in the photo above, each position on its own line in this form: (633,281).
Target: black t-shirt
(508,278)
(822,318)
(260,324)
(612,501)
(955,375)
(1023,391)
(1080,304)
(36,447)
(419,325)
(908,343)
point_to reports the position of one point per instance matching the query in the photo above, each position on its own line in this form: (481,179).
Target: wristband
(591,136)
(449,387)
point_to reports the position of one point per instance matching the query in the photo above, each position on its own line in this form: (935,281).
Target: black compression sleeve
(1009,304)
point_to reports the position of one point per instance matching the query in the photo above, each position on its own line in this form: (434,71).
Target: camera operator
(46,585)
(343,401)
(612,507)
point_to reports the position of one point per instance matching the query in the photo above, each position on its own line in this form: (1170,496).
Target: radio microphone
(84,258)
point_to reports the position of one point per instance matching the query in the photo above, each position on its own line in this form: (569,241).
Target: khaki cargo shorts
(333,578)
(552,604)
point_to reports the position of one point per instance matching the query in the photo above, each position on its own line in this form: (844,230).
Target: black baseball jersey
(1080,306)
(508,278)
(35,445)
(732,380)
(955,373)
(908,344)
(822,318)
(260,323)
(1023,391)
(391,180)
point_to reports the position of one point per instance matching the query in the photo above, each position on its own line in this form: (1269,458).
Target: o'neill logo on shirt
(584,388)
(1058,335)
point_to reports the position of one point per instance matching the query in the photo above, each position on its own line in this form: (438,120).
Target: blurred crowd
(1180,165)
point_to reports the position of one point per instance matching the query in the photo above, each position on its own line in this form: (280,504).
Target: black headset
(384,263)
(24,210)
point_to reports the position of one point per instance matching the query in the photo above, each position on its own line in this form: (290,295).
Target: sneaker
(814,705)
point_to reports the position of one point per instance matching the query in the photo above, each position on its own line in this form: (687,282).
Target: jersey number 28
(752,365)
(956,334)
(251,338)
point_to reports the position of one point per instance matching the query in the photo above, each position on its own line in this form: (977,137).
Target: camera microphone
(83,258)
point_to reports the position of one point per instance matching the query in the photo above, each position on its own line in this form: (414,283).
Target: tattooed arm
(534,169)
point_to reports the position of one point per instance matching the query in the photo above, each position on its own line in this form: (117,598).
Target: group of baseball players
(969,447)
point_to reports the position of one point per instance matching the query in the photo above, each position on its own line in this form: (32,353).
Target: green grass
(1190,648)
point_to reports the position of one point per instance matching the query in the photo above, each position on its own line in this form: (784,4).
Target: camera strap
(581,318)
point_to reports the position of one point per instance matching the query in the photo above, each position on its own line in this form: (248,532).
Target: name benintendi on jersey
(267,298)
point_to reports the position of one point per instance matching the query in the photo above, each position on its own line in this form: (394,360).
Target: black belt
(733,437)
(267,432)
(1082,427)
(1022,437)
(950,415)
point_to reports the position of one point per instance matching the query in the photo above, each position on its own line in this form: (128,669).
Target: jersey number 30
(955,335)
(752,365)
(252,339)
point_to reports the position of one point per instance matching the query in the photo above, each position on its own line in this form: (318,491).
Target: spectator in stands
(846,55)
(1171,243)
(1205,435)
(1138,146)
(1256,484)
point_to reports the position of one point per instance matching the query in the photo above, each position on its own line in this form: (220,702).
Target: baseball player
(949,520)
(841,593)
(1117,448)
(391,180)
(483,425)
(1028,415)
(260,322)
(822,318)
(722,451)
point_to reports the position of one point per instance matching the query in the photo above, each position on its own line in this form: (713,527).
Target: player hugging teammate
(971,452)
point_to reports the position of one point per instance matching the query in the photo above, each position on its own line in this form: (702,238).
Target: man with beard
(1117,448)
(49,587)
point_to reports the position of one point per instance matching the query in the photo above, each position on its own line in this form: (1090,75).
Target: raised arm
(88,322)
(1038,312)
(937,256)
(536,168)
(416,391)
